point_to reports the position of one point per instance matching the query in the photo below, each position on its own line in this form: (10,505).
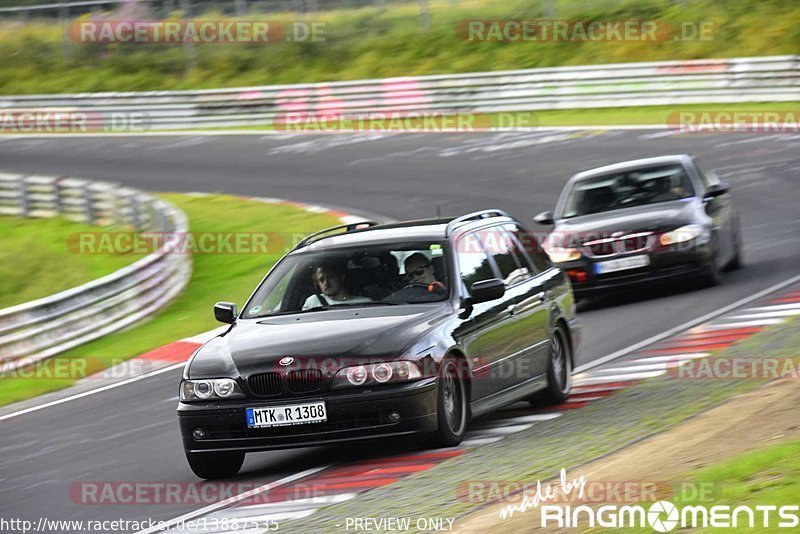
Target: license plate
(289,414)
(622,264)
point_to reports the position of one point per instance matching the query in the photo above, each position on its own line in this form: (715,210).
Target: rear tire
(559,371)
(451,404)
(214,465)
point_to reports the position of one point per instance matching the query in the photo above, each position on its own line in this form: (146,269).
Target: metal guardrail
(758,79)
(42,328)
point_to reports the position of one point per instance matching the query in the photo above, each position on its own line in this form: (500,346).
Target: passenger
(419,270)
(330,283)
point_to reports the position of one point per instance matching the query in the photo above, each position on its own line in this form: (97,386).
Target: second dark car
(643,221)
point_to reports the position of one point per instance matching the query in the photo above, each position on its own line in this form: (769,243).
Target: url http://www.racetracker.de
(46,525)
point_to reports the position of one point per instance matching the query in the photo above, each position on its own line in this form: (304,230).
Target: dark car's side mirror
(716,190)
(487,290)
(545,217)
(225,312)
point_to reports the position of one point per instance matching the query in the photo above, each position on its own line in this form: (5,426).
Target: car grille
(304,381)
(600,248)
(297,382)
(614,246)
(266,384)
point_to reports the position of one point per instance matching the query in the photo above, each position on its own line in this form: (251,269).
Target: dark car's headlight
(685,234)
(376,374)
(210,389)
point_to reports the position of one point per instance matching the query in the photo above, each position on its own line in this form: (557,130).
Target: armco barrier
(757,79)
(45,327)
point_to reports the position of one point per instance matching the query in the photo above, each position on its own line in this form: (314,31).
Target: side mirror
(546,217)
(487,290)
(225,312)
(717,189)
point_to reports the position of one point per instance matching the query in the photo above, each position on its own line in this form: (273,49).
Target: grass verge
(215,277)
(34,254)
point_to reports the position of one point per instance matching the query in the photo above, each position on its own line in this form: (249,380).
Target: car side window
(499,243)
(473,263)
(529,248)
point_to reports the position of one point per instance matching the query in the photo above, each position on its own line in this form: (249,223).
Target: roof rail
(342,229)
(474,216)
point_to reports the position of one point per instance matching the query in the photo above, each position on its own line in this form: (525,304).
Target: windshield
(627,189)
(376,275)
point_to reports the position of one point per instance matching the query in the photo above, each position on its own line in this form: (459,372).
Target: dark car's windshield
(627,189)
(374,275)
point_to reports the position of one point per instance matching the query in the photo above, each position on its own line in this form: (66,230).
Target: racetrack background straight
(131,433)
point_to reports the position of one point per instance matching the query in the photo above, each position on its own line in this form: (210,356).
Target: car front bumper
(352,415)
(687,263)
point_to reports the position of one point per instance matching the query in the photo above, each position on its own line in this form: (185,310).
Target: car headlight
(376,374)
(210,389)
(562,254)
(684,234)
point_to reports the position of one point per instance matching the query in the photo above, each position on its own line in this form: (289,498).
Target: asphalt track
(130,433)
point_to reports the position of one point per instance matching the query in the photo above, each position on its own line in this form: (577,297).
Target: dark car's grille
(266,384)
(600,248)
(613,246)
(636,242)
(304,381)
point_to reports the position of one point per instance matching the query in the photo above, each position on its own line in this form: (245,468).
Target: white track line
(775,307)
(674,357)
(91,392)
(627,377)
(233,500)
(689,324)
(765,314)
(644,366)
(742,324)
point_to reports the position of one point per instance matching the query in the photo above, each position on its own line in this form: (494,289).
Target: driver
(330,283)
(419,270)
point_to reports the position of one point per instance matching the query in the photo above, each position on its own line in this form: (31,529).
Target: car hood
(333,338)
(664,216)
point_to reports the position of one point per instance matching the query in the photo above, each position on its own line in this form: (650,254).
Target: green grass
(215,277)
(367,43)
(768,475)
(34,252)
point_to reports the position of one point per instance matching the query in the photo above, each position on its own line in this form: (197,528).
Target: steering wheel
(434,287)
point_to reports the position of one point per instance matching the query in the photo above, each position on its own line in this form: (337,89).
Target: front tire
(451,404)
(214,465)
(713,276)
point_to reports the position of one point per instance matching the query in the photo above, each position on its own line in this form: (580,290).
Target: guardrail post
(24,199)
(88,208)
(136,218)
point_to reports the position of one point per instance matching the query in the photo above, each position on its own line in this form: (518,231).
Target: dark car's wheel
(213,465)
(713,275)
(559,371)
(451,404)
(736,261)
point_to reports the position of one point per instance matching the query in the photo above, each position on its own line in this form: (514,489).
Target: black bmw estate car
(643,221)
(374,330)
